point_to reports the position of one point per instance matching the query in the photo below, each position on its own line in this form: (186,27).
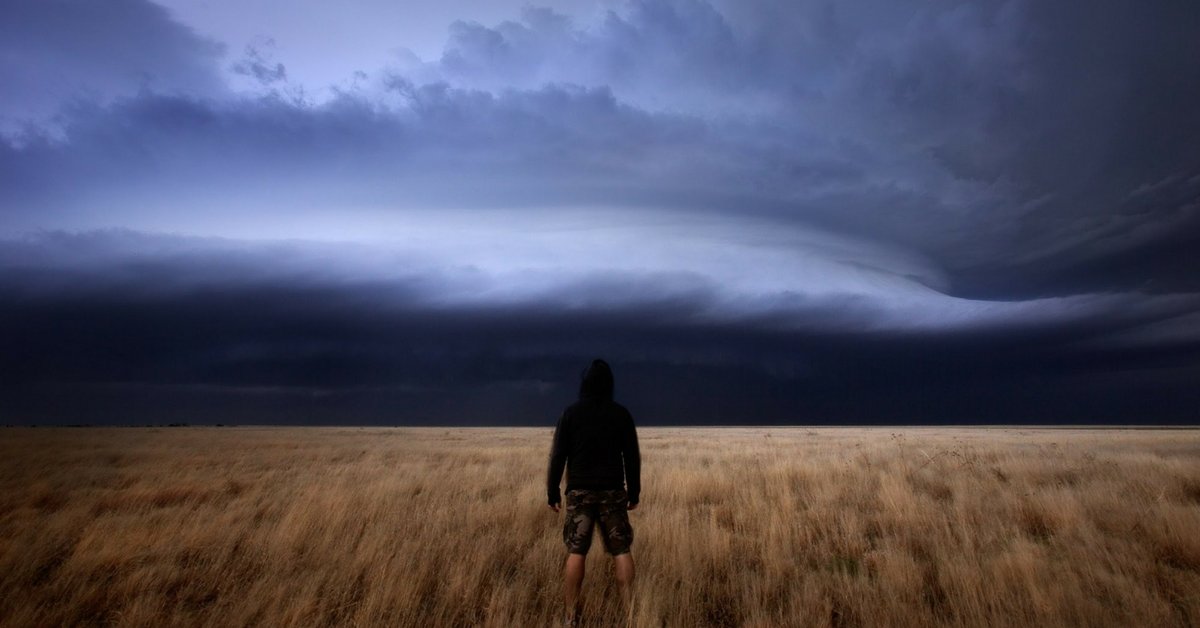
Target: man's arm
(558,461)
(633,462)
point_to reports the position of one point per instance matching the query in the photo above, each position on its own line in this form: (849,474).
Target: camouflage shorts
(586,508)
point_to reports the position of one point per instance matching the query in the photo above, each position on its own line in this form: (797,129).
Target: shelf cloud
(758,212)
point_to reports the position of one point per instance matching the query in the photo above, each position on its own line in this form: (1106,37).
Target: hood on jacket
(597,381)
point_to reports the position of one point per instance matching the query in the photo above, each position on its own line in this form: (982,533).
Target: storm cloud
(758,212)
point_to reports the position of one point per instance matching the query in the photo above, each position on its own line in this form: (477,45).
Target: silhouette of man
(597,443)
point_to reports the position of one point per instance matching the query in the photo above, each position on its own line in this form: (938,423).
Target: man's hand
(631,506)
(553,506)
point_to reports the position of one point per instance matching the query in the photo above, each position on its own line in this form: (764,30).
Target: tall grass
(754,527)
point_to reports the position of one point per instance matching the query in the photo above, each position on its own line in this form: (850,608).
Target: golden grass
(756,527)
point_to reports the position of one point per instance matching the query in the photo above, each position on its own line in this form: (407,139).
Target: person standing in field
(596,442)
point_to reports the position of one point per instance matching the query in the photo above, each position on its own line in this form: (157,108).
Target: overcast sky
(759,211)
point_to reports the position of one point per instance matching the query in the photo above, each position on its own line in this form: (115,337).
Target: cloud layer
(763,211)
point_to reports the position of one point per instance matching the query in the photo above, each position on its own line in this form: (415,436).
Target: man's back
(597,441)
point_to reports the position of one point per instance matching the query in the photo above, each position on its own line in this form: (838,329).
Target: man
(596,441)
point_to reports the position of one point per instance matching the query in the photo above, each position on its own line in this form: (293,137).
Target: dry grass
(758,527)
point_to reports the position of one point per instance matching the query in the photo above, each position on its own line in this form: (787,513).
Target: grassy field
(756,527)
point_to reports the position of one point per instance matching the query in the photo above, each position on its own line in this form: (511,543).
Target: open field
(759,527)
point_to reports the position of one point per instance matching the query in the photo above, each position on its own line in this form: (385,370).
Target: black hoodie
(595,440)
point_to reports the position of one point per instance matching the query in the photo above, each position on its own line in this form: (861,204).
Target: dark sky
(759,211)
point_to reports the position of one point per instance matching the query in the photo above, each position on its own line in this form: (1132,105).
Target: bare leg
(573,582)
(623,565)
